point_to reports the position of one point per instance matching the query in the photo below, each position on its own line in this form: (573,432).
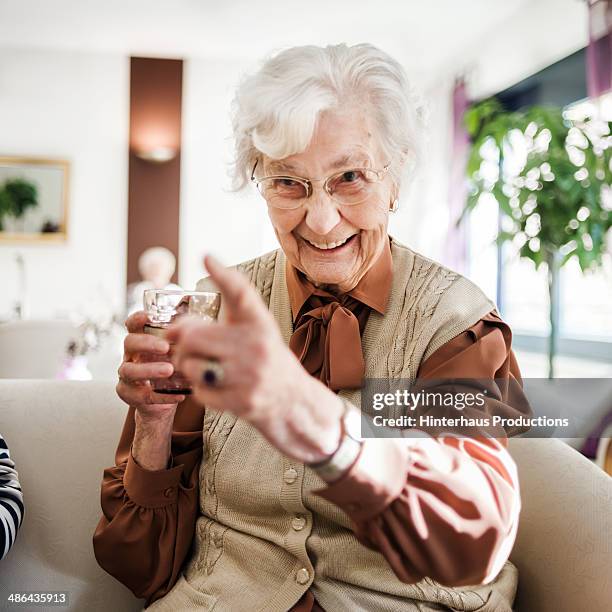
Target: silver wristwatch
(348,450)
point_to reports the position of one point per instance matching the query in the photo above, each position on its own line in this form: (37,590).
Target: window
(521,291)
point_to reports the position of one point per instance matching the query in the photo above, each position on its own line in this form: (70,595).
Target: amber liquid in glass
(176,384)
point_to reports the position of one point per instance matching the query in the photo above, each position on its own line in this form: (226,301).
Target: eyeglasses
(348,187)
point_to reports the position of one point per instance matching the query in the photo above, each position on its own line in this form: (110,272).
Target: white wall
(539,34)
(421,221)
(233,226)
(72,106)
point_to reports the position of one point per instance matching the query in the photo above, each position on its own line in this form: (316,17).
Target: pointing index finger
(240,299)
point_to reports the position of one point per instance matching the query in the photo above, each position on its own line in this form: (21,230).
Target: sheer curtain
(455,252)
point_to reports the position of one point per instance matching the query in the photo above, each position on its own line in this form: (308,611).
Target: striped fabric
(11,500)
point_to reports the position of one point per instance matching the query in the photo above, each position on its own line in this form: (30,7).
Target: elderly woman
(257,491)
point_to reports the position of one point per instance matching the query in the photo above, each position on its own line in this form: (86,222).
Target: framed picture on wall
(33,199)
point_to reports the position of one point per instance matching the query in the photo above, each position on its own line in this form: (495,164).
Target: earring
(394,205)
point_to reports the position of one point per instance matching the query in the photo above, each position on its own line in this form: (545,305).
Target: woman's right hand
(154,412)
(139,366)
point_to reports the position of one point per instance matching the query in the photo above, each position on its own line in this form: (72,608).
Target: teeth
(324,246)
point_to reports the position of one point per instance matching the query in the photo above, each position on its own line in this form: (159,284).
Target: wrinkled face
(334,244)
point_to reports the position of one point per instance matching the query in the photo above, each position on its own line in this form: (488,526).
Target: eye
(350,176)
(286,187)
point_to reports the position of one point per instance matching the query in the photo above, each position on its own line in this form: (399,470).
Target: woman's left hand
(263,382)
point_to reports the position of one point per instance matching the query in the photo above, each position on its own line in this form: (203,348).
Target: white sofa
(19,340)
(62,435)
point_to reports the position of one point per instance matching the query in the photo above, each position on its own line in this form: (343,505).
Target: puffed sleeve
(442,505)
(148,517)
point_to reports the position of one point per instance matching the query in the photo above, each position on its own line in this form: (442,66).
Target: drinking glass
(163,307)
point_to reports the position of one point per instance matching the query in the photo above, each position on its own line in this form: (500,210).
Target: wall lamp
(157,155)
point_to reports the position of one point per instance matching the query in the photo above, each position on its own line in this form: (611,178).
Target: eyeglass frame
(307,183)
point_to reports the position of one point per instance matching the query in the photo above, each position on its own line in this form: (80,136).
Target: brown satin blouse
(142,506)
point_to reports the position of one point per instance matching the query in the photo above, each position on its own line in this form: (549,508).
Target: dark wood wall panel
(154,188)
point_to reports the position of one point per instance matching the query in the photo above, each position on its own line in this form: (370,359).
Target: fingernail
(163,346)
(166,369)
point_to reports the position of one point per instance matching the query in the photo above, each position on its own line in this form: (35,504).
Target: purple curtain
(599,51)
(455,254)
(590,445)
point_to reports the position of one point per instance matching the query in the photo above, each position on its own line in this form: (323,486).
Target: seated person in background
(11,500)
(156,266)
(256,492)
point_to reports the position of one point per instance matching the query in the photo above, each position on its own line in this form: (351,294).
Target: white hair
(276,109)
(157,256)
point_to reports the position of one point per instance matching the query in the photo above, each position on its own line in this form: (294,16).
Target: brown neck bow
(327,340)
(328,328)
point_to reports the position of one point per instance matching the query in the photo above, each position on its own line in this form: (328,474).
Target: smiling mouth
(329,246)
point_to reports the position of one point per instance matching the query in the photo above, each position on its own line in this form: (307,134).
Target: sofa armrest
(564,545)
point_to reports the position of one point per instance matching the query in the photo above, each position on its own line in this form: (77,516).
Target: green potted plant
(551,178)
(16,197)
(5,206)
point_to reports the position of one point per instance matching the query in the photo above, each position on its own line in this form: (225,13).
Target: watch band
(348,450)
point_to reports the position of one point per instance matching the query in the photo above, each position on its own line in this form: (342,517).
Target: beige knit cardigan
(247,556)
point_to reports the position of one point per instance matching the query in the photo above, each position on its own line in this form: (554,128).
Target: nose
(322,214)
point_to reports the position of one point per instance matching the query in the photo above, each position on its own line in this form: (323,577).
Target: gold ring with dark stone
(212,373)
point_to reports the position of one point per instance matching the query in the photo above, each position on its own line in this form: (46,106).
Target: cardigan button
(302,576)
(290,476)
(168,492)
(298,523)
